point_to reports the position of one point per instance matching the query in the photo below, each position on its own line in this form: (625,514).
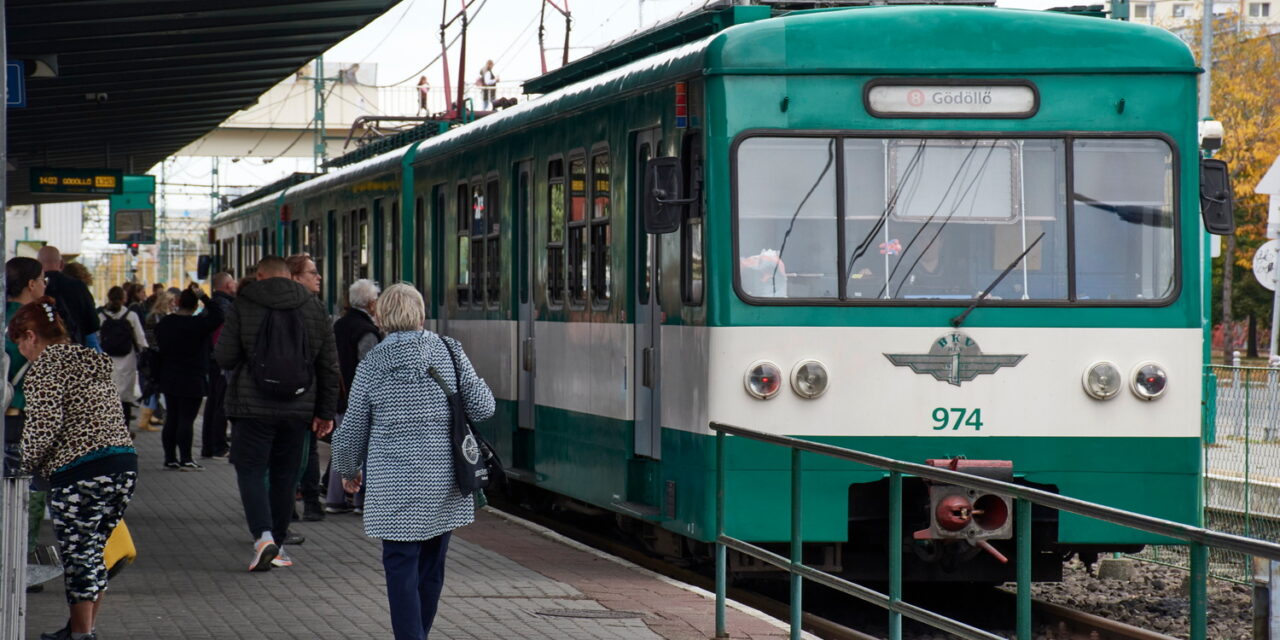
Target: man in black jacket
(213,443)
(270,431)
(75,303)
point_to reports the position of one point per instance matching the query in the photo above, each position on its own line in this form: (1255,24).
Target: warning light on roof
(682,105)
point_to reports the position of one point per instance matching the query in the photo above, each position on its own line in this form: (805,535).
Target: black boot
(312,511)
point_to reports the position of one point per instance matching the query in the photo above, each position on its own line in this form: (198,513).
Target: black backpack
(116,335)
(280,364)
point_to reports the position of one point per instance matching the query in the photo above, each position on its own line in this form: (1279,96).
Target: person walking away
(356,334)
(72,298)
(24,284)
(121,337)
(75,437)
(279,345)
(488,82)
(213,440)
(303,271)
(184,338)
(153,414)
(135,299)
(399,415)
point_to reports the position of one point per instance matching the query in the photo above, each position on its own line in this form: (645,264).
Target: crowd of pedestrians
(276,375)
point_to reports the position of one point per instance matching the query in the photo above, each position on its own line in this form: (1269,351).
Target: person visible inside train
(396,429)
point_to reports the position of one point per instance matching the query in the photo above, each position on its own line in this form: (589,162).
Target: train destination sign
(951,100)
(100,181)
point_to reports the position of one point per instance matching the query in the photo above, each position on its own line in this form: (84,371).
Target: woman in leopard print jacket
(75,436)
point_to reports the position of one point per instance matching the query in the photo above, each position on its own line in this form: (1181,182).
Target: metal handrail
(1198,537)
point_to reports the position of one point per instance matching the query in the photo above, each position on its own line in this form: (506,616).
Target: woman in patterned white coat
(397,428)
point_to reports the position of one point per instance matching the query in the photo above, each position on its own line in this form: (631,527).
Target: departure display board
(98,181)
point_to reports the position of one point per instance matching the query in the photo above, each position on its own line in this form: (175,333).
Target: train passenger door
(648,319)
(524,284)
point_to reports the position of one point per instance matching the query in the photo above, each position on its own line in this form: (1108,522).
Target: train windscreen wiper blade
(959,320)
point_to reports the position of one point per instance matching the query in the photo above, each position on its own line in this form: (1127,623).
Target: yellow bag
(119,552)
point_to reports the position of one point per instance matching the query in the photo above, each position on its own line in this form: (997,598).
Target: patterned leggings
(84,514)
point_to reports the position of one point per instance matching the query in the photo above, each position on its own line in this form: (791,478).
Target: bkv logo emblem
(954,358)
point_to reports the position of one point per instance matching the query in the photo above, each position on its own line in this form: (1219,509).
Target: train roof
(878,40)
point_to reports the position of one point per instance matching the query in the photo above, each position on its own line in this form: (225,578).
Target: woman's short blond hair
(400,308)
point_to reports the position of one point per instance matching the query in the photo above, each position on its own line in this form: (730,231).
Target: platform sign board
(15,85)
(77,181)
(133,213)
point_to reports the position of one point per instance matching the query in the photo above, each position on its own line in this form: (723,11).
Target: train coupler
(959,513)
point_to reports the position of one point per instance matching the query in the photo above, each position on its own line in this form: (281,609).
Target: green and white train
(837,188)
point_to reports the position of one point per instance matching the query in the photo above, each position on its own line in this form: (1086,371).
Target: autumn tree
(1245,97)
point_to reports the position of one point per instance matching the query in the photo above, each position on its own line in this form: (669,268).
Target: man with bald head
(75,303)
(271,422)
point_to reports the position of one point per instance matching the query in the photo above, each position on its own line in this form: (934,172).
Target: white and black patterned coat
(398,414)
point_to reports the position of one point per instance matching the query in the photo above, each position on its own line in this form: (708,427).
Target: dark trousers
(415,576)
(267,455)
(309,485)
(179,426)
(214,434)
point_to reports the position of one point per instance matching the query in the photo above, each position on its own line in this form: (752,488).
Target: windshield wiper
(958,320)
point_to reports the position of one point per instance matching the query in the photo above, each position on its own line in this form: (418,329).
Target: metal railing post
(797,557)
(1199,590)
(1022,520)
(13,555)
(721,559)
(895,553)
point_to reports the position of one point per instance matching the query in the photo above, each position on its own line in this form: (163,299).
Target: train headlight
(1102,380)
(763,380)
(809,379)
(1149,381)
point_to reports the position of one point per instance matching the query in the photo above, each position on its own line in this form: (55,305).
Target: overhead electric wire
(407,6)
(440,55)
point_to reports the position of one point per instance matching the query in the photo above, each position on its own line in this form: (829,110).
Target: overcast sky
(406,39)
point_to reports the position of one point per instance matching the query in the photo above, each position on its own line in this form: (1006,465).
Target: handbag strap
(453,357)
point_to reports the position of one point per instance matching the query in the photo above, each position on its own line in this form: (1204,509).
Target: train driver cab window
(691,235)
(1124,219)
(601,234)
(463,232)
(577,232)
(787,217)
(555,232)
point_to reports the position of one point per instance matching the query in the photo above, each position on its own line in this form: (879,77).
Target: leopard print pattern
(72,408)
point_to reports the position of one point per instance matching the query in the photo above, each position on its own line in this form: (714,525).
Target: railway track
(1053,622)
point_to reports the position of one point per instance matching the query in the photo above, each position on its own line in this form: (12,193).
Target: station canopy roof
(123,84)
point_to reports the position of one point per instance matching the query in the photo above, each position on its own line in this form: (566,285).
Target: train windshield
(931,219)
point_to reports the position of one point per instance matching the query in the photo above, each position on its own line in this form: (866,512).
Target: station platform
(505,578)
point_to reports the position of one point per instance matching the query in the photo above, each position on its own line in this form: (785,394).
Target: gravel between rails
(1155,598)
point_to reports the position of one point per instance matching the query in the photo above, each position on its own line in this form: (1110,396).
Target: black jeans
(213,441)
(179,426)
(267,455)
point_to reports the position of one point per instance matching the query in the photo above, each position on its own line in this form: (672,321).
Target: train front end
(962,236)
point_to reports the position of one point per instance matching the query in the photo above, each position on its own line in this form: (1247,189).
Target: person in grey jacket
(397,424)
(271,433)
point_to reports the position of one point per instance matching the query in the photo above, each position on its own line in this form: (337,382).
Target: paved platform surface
(190,580)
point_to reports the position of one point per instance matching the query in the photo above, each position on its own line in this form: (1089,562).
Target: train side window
(691,233)
(522,213)
(463,231)
(240,262)
(577,232)
(493,228)
(363,236)
(478,276)
(394,249)
(420,244)
(555,232)
(601,231)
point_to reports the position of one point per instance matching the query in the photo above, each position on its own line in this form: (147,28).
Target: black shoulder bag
(475,464)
